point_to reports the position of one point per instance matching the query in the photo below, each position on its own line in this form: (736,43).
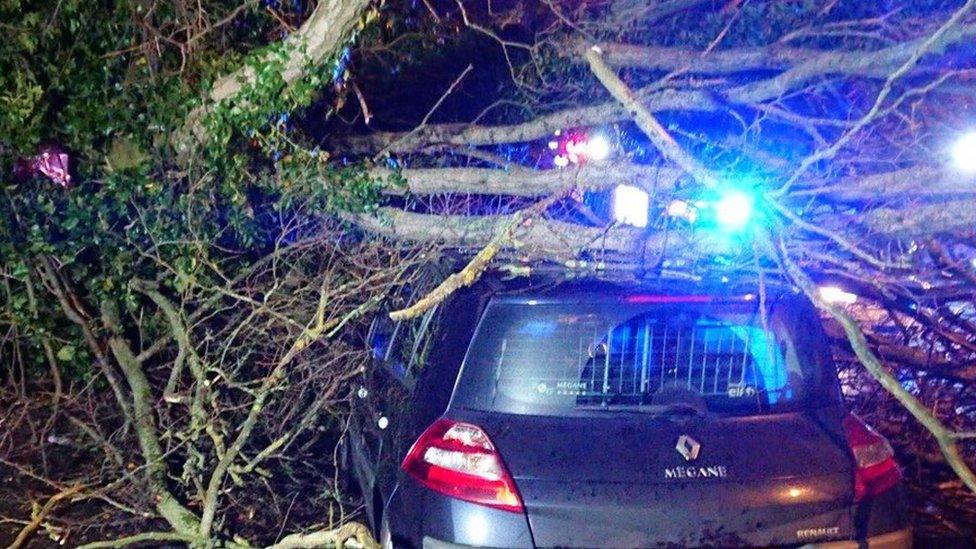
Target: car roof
(592,288)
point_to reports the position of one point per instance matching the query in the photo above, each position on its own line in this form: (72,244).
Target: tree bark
(319,38)
(799,63)
(181,519)
(468,135)
(945,438)
(530,183)
(543,238)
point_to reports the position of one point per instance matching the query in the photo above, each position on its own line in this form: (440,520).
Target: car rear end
(622,418)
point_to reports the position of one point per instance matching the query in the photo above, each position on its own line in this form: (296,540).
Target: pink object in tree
(52,161)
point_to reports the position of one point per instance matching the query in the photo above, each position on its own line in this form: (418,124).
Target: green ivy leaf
(124,155)
(66,354)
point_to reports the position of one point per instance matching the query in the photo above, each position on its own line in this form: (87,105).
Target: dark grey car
(601,415)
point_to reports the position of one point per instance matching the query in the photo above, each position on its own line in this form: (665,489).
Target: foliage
(84,76)
(183,280)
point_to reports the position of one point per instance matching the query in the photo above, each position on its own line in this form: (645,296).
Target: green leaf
(67,353)
(124,155)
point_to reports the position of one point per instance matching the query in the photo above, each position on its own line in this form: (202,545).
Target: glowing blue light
(630,205)
(734,209)
(964,153)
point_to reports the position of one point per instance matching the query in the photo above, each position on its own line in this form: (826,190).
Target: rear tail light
(459,460)
(877,472)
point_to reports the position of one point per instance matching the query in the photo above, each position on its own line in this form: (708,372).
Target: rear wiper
(675,409)
(679,408)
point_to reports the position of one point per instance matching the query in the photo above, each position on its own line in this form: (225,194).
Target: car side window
(411,339)
(381,333)
(426,326)
(384,332)
(402,345)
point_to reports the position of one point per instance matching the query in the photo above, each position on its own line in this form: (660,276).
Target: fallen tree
(197,313)
(233,212)
(834,122)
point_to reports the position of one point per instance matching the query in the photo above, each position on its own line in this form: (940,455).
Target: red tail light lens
(458,460)
(877,472)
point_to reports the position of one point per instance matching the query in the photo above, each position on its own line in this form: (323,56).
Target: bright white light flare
(833,294)
(597,148)
(630,205)
(683,210)
(964,152)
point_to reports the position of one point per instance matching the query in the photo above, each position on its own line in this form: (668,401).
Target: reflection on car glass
(616,357)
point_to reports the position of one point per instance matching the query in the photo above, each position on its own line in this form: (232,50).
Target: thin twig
(423,123)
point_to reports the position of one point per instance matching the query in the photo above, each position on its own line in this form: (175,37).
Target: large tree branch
(465,135)
(893,189)
(542,238)
(181,519)
(798,68)
(477,265)
(530,183)
(920,201)
(898,186)
(917,220)
(729,61)
(943,436)
(799,64)
(320,37)
(353,532)
(646,121)
(546,238)
(878,64)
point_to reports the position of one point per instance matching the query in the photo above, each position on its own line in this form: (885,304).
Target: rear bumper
(901,539)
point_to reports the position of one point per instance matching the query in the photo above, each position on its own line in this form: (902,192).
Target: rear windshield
(555,358)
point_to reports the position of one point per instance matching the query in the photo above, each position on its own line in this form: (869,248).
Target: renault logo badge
(688,448)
